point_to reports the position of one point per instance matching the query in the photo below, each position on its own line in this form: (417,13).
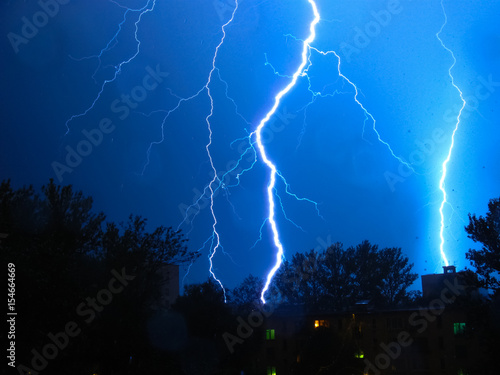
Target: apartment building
(433,338)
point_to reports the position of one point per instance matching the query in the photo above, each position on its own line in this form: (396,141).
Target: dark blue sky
(326,150)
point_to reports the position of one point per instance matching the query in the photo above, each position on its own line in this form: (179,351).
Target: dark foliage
(336,278)
(486,230)
(65,257)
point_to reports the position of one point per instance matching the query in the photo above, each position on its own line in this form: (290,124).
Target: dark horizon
(122,154)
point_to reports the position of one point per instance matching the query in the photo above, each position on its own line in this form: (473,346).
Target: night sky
(141,147)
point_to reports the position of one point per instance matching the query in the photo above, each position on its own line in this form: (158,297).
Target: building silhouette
(436,337)
(169,289)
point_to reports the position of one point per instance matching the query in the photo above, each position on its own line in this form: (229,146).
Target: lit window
(269,334)
(321,323)
(359,354)
(271,370)
(458,328)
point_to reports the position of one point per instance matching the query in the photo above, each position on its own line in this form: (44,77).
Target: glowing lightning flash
(217,182)
(445,162)
(269,163)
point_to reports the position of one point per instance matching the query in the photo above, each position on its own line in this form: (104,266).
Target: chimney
(449,269)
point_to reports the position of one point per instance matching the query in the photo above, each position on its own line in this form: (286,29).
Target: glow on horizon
(262,151)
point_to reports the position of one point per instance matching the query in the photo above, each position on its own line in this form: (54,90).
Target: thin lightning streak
(216,237)
(112,42)
(231,99)
(215,240)
(222,185)
(260,234)
(162,126)
(222,180)
(195,207)
(210,190)
(175,108)
(118,68)
(366,112)
(267,63)
(314,94)
(287,189)
(227,195)
(448,157)
(192,262)
(262,151)
(284,213)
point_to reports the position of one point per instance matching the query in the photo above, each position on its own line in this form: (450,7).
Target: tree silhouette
(396,276)
(486,230)
(50,239)
(206,317)
(339,274)
(299,281)
(65,256)
(338,278)
(244,296)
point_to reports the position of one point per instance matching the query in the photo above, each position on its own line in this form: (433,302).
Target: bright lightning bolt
(219,182)
(448,157)
(302,71)
(268,162)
